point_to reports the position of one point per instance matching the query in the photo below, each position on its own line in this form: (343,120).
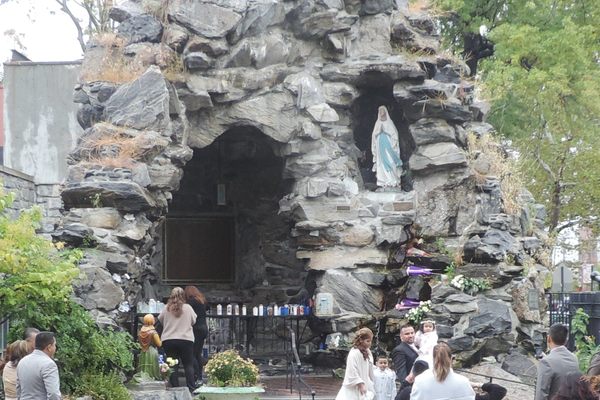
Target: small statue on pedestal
(148,366)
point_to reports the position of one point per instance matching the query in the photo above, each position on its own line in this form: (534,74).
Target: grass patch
(109,63)
(111,146)
(511,182)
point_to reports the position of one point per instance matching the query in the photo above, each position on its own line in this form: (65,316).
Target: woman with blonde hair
(358,378)
(177,319)
(441,382)
(17,350)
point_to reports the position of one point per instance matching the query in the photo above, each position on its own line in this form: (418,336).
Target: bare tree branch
(568,225)
(66,10)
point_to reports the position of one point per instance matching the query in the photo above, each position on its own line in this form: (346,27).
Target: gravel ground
(515,391)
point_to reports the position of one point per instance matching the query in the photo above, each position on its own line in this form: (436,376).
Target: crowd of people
(30,373)
(421,364)
(422,370)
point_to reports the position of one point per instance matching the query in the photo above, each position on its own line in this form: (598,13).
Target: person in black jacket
(196,299)
(405,354)
(491,392)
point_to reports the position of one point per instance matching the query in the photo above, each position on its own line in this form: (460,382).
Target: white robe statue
(387,164)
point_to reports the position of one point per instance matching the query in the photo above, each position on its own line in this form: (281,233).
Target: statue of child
(148,360)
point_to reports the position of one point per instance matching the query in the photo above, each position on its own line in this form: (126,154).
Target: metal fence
(559,308)
(252,336)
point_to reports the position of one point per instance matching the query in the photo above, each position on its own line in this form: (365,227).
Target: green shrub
(82,348)
(230,369)
(585,344)
(102,387)
(36,278)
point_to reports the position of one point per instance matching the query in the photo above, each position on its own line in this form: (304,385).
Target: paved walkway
(325,387)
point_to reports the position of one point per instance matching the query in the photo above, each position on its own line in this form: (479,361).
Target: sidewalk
(325,387)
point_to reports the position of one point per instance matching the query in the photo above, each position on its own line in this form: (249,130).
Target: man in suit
(404,355)
(37,372)
(554,367)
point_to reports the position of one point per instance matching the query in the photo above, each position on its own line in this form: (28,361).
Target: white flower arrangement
(166,366)
(469,285)
(415,315)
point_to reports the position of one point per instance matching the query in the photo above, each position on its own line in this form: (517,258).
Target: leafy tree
(34,273)
(543,81)
(36,290)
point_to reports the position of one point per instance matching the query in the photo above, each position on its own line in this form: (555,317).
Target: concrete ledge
(4,170)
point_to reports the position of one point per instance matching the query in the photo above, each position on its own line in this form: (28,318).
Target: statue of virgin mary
(387,164)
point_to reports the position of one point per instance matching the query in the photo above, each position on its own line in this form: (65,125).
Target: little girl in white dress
(425,339)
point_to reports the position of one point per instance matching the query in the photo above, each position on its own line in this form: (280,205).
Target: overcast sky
(47,33)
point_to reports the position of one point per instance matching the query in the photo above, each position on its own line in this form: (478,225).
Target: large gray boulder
(140,28)
(429,130)
(522,366)
(257,111)
(96,288)
(492,318)
(437,156)
(205,19)
(349,293)
(123,195)
(141,104)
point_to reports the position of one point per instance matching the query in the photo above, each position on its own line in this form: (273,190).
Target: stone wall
(21,185)
(308,76)
(27,194)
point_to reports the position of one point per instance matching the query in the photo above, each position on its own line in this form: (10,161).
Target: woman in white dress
(387,164)
(441,382)
(358,379)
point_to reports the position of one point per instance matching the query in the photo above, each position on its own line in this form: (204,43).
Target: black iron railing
(252,336)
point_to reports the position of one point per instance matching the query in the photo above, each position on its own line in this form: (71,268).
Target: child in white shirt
(425,339)
(384,380)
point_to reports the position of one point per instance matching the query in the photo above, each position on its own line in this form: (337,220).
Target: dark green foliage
(102,387)
(81,346)
(36,290)
(585,344)
(543,82)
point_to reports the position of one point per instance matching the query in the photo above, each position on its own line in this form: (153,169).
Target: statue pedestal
(147,385)
(229,393)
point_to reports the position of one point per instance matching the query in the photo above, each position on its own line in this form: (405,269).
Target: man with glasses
(37,372)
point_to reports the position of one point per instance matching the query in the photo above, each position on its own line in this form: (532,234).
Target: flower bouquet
(469,285)
(165,366)
(416,315)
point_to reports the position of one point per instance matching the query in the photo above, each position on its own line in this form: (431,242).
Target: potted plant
(230,377)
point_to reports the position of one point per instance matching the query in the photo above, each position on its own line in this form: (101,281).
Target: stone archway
(232,188)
